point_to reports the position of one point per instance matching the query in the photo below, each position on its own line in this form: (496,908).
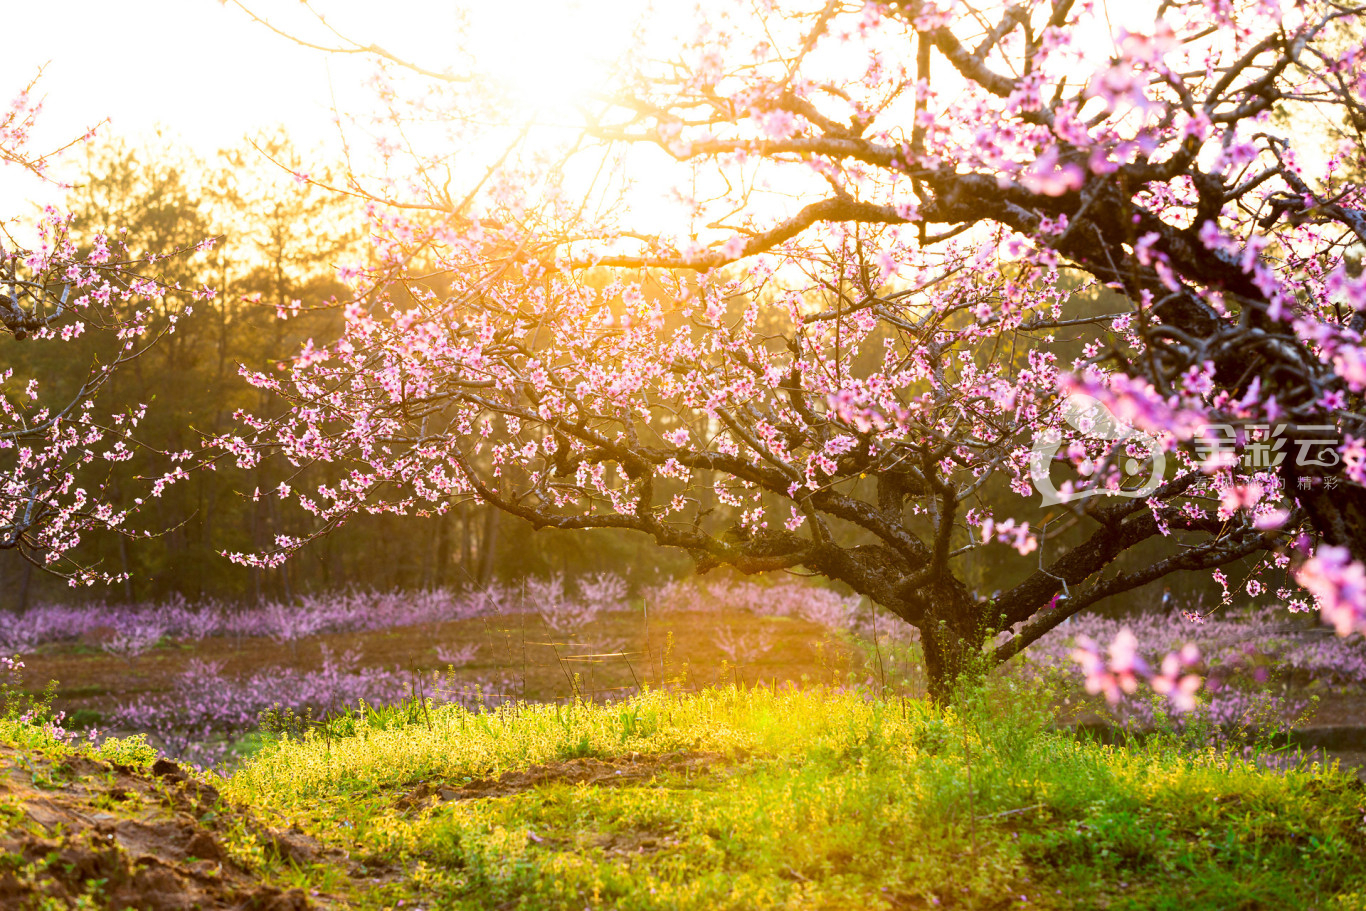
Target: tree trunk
(25,578)
(951,634)
(488,546)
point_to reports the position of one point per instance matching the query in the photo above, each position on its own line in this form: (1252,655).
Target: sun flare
(554,56)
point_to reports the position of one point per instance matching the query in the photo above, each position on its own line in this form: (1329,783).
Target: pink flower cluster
(1338,584)
(1121,673)
(1007,532)
(1250,659)
(55,436)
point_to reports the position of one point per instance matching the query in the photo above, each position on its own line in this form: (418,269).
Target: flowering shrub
(1239,653)
(23,708)
(1255,642)
(11,676)
(566,615)
(136,637)
(818,605)
(206,709)
(288,623)
(458,656)
(743,646)
(1248,659)
(130,629)
(746,644)
(605,590)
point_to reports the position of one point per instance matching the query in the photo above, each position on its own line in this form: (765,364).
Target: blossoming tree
(921,260)
(56,442)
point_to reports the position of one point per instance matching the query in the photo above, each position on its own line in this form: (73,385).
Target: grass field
(746,798)
(581,783)
(724,798)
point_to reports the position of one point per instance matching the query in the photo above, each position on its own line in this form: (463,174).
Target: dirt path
(81,833)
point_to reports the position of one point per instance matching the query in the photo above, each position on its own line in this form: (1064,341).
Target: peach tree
(74,312)
(874,289)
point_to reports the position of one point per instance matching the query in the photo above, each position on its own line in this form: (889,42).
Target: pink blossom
(1047,176)
(1350,364)
(1338,584)
(1120,676)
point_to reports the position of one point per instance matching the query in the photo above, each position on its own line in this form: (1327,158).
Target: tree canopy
(927,249)
(875,291)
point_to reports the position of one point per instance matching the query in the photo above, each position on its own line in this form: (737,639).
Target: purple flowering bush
(206,709)
(456,656)
(743,646)
(1257,662)
(138,634)
(782,599)
(1230,668)
(129,630)
(201,715)
(568,611)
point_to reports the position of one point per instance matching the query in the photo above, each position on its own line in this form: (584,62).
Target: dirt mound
(81,833)
(631,769)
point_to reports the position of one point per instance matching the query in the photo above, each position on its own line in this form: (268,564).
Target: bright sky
(200,69)
(208,75)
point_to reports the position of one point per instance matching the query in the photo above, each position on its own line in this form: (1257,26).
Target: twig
(1037,806)
(877,648)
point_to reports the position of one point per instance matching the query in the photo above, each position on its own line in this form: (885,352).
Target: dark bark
(951,636)
(488,547)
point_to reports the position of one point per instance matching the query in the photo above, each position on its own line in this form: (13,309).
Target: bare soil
(613,772)
(82,829)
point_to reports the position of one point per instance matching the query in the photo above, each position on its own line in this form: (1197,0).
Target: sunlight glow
(554,55)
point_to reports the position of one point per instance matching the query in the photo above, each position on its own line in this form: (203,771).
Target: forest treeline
(279,244)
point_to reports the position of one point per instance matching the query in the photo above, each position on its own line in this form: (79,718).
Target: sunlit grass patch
(735,798)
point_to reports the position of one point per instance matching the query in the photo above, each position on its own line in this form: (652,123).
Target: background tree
(279,243)
(274,243)
(73,322)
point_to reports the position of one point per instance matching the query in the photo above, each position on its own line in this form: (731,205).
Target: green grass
(133,751)
(811,799)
